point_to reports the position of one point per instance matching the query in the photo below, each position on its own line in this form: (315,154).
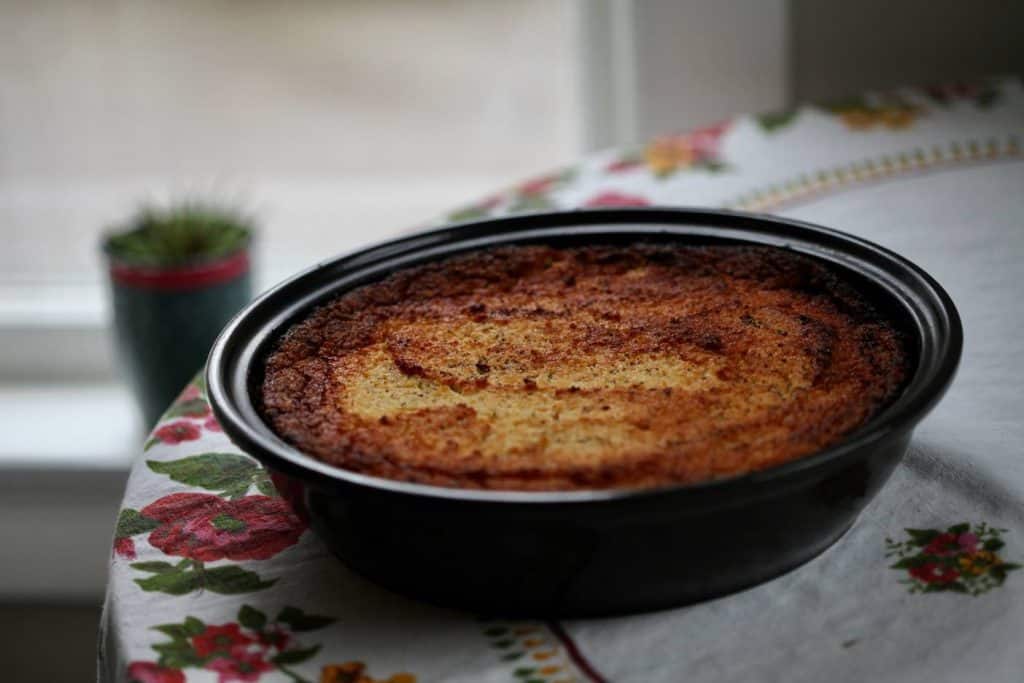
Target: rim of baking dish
(235,361)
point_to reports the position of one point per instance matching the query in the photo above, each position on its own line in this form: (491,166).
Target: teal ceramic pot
(166,319)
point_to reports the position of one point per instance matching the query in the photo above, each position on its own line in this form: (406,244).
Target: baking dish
(577,553)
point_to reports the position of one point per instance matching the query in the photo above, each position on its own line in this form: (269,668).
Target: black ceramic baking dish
(590,552)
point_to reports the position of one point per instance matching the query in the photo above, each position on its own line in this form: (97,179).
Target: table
(212,578)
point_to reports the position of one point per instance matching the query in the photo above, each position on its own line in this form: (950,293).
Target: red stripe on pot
(185,277)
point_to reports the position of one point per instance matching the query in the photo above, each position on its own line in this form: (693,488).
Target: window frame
(628,56)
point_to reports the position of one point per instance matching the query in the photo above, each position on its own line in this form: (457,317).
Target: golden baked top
(537,368)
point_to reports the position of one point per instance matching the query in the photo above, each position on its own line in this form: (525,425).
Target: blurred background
(333,124)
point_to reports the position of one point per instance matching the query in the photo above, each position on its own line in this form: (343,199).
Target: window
(336,124)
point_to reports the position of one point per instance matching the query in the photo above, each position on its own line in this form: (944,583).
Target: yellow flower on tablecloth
(666,155)
(894,118)
(899,117)
(886,111)
(986,556)
(968,566)
(857,119)
(354,672)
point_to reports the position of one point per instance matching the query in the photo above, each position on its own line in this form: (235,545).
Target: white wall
(842,48)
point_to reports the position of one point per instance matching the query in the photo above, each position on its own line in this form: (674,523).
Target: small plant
(177,273)
(182,234)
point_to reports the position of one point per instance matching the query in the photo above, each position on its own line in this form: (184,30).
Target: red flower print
(221,638)
(241,665)
(623,165)
(242,650)
(942,545)
(151,672)
(124,547)
(205,527)
(930,572)
(191,392)
(704,141)
(176,432)
(963,558)
(212,425)
(613,198)
(539,185)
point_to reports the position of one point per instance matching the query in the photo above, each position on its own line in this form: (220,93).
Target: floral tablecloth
(212,578)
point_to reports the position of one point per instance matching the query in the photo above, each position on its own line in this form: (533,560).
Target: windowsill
(68,427)
(64,460)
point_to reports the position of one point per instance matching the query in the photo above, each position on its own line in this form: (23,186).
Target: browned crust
(797,359)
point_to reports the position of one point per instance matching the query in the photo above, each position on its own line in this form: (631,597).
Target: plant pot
(166,319)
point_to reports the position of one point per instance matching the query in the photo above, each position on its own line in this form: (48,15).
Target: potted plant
(177,275)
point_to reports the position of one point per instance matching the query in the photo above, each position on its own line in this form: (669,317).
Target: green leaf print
(228,474)
(130,523)
(298,620)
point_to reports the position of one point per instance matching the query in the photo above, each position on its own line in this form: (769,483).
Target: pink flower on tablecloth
(705,140)
(614,198)
(124,547)
(241,664)
(968,542)
(176,432)
(222,639)
(205,527)
(151,672)
(212,425)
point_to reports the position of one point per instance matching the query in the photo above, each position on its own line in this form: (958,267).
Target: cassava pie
(542,368)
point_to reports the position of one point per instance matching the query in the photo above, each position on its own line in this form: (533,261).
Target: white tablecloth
(213,578)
